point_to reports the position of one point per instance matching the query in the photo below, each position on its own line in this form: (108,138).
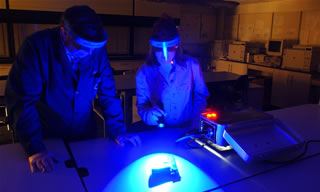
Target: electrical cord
(283,164)
(193,140)
(298,156)
(193,135)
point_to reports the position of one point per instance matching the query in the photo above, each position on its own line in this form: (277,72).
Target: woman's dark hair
(165,30)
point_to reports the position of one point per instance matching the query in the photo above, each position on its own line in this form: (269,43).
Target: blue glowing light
(160,125)
(135,177)
(168,173)
(165,51)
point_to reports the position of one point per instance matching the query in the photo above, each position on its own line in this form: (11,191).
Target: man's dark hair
(84,22)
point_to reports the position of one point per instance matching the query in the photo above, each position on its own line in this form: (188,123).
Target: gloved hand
(153,115)
(123,140)
(43,162)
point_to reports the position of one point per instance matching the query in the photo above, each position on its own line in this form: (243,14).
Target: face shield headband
(83,42)
(164,45)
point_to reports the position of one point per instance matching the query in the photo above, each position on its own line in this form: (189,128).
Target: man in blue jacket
(53,81)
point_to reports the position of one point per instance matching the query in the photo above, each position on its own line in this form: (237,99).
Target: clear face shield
(165,46)
(81,41)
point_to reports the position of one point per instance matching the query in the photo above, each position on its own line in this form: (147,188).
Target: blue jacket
(45,99)
(183,97)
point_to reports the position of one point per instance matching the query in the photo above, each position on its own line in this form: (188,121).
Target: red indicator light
(210,115)
(171,62)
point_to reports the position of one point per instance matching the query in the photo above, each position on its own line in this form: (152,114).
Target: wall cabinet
(114,7)
(231,27)
(233,67)
(21,31)
(2,4)
(255,27)
(4,50)
(290,88)
(208,27)
(190,27)
(156,9)
(198,24)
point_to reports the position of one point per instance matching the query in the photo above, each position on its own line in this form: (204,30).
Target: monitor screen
(274,46)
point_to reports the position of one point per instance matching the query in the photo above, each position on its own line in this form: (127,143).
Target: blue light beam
(135,177)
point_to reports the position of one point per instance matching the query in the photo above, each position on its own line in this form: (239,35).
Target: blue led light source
(160,125)
(161,122)
(165,50)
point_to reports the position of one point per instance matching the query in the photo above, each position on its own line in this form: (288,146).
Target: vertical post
(220,23)
(131,44)
(10,32)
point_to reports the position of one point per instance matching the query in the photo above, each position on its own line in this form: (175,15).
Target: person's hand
(43,162)
(123,140)
(153,115)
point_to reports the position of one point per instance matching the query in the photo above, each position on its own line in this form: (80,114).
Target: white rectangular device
(253,134)
(302,58)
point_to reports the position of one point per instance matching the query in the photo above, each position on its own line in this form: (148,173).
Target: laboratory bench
(110,167)
(115,168)
(15,175)
(285,82)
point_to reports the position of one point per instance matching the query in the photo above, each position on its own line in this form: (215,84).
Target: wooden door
(299,84)
(4,50)
(280,80)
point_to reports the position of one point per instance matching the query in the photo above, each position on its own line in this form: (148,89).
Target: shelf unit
(11,18)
